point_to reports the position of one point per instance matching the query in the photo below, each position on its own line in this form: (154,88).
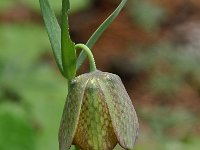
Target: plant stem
(89,54)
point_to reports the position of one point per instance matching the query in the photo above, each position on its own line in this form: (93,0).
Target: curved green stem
(89,54)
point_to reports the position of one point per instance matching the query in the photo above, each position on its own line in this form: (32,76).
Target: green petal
(94,131)
(122,112)
(71,112)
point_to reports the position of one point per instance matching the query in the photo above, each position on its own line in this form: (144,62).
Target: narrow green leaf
(67,46)
(53,30)
(96,35)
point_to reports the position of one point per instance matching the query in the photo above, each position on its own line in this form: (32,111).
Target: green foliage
(172,129)
(169,67)
(76,4)
(54,32)
(147,14)
(62,45)
(15,128)
(68,51)
(64,48)
(163,118)
(32,95)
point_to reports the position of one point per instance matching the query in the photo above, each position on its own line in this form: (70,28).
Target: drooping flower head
(98,114)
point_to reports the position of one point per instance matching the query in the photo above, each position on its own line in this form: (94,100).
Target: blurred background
(154,46)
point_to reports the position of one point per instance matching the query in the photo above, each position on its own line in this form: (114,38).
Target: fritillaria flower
(98,114)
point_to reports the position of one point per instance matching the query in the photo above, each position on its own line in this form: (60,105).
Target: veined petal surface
(71,112)
(122,112)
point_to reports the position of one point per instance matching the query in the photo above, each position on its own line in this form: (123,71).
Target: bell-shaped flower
(98,114)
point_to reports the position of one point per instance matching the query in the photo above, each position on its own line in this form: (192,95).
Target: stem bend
(89,54)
